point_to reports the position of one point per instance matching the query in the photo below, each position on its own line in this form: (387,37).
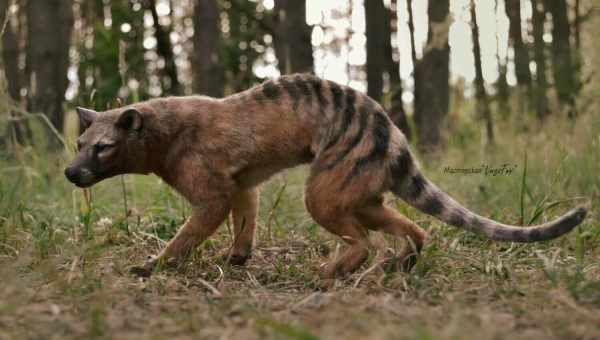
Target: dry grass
(64,265)
(64,261)
(461,289)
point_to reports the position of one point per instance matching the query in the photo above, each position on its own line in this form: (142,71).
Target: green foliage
(110,57)
(246,23)
(287,331)
(114,63)
(71,255)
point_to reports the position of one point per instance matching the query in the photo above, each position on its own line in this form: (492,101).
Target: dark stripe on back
(381,136)
(317,86)
(303,87)
(336,93)
(270,90)
(347,117)
(292,90)
(363,114)
(381,140)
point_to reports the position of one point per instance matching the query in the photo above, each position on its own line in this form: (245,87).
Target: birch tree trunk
(539,50)
(483,105)
(432,74)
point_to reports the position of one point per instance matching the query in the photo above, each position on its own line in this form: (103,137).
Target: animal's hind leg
(339,221)
(377,216)
(244,210)
(354,255)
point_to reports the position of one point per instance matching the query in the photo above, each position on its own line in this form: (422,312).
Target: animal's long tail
(418,191)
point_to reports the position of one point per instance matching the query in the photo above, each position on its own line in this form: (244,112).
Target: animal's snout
(73,174)
(80,176)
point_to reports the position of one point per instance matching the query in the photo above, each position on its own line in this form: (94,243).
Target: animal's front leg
(201,225)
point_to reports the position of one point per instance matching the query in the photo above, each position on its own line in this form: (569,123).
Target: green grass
(64,260)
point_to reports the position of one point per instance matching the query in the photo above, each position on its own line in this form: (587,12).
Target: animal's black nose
(72,174)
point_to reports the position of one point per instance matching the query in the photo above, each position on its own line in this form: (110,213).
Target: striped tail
(419,192)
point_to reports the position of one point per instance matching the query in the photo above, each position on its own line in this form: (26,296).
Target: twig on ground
(210,287)
(152,236)
(367,271)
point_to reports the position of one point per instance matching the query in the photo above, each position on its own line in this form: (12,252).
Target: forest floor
(64,264)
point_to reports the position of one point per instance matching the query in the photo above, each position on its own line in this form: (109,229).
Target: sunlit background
(493,25)
(339,41)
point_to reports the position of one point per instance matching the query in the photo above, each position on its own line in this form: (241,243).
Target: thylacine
(215,152)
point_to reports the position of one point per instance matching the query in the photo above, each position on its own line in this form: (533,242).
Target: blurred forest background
(504,84)
(57,54)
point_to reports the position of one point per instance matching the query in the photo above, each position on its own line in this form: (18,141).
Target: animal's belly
(255,174)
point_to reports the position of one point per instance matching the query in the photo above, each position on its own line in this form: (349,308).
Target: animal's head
(112,143)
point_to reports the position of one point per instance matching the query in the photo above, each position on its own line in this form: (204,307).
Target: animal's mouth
(84,185)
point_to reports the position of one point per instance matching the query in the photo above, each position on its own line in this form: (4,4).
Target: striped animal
(216,152)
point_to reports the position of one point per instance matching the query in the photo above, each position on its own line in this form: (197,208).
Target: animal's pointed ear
(130,119)
(86,117)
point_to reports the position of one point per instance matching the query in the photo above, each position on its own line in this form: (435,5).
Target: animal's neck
(161,134)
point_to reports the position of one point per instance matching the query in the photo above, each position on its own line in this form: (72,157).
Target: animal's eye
(101,147)
(79,145)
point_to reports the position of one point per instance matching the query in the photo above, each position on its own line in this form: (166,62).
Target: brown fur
(216,152)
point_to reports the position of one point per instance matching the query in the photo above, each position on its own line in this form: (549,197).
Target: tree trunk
(50,24)
(502,90)
(521,58)
(432,74)
(10,53)
(22,37)
(411,30)
(293,46)
(483,105)
(375,31)
(578,53)
(136,62)
(564,72)
(513,11)
(413,49)
(396,110)
(209,76)
(164,48)
(577,24)
(18,129)
(539,47)
(98,68)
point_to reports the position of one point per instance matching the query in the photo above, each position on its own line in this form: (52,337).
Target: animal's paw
(145,270)
(327,275)
(408,263)
(238,259)
(402,264)
(325,285)
(141,271)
